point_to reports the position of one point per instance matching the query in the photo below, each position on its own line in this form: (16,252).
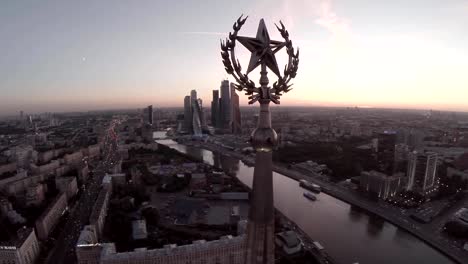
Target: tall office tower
(204,126)
(30,121)
(193,95)
(23,121)
(386,142)
(187,114)
(193,102)
(150,115)
(421,174)
(236,124)
(215,109)
(225,104)
(196,118)
(401,157)
(180,123)
(144,115)
(219,118)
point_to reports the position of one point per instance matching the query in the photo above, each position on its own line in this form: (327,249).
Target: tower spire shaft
(261,225)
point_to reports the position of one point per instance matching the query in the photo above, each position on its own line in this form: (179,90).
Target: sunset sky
(85,55)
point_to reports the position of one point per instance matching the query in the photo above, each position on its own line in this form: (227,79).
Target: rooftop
(87,236)
(51,205)
(98,205)
(17,241)
(289,238)
(171,250)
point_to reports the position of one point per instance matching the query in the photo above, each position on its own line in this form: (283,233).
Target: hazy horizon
(274,107)
(98,55)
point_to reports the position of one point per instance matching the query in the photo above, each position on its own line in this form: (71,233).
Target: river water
(348,234)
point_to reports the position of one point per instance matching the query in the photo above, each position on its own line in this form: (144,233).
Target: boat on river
(310,196)
(310,186)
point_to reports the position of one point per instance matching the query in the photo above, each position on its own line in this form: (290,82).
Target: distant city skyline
(89,55)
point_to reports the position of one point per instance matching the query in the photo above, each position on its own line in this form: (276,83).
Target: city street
(64,250)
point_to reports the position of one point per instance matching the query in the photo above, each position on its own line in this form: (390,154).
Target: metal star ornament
(263,49)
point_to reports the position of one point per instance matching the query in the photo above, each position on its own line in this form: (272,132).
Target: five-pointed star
(263,49)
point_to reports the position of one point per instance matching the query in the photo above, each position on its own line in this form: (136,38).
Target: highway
(64,246)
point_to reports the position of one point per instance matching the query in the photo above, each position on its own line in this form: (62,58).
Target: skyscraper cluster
(225,111)
(194,116)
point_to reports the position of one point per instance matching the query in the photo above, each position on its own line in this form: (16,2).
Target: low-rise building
(227,250)
(24,249)
(24,155)
(99,212)
(83,172)
(48,168)
(234,195)
(123,152)
(289,242)
(74,159)
(5,183)
(35,194)
(21,182)
(93,151)
(242,227)
(118,178)
(62,170)
(6,210)
(379,184)
(47,221)
(47,156)
(190,166)
(139,230)
(9,167)
(312,167)
(5,206)
(67,185)
(90,253)
(198,181)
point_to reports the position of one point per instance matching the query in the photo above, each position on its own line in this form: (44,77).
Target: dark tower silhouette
(260,247)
